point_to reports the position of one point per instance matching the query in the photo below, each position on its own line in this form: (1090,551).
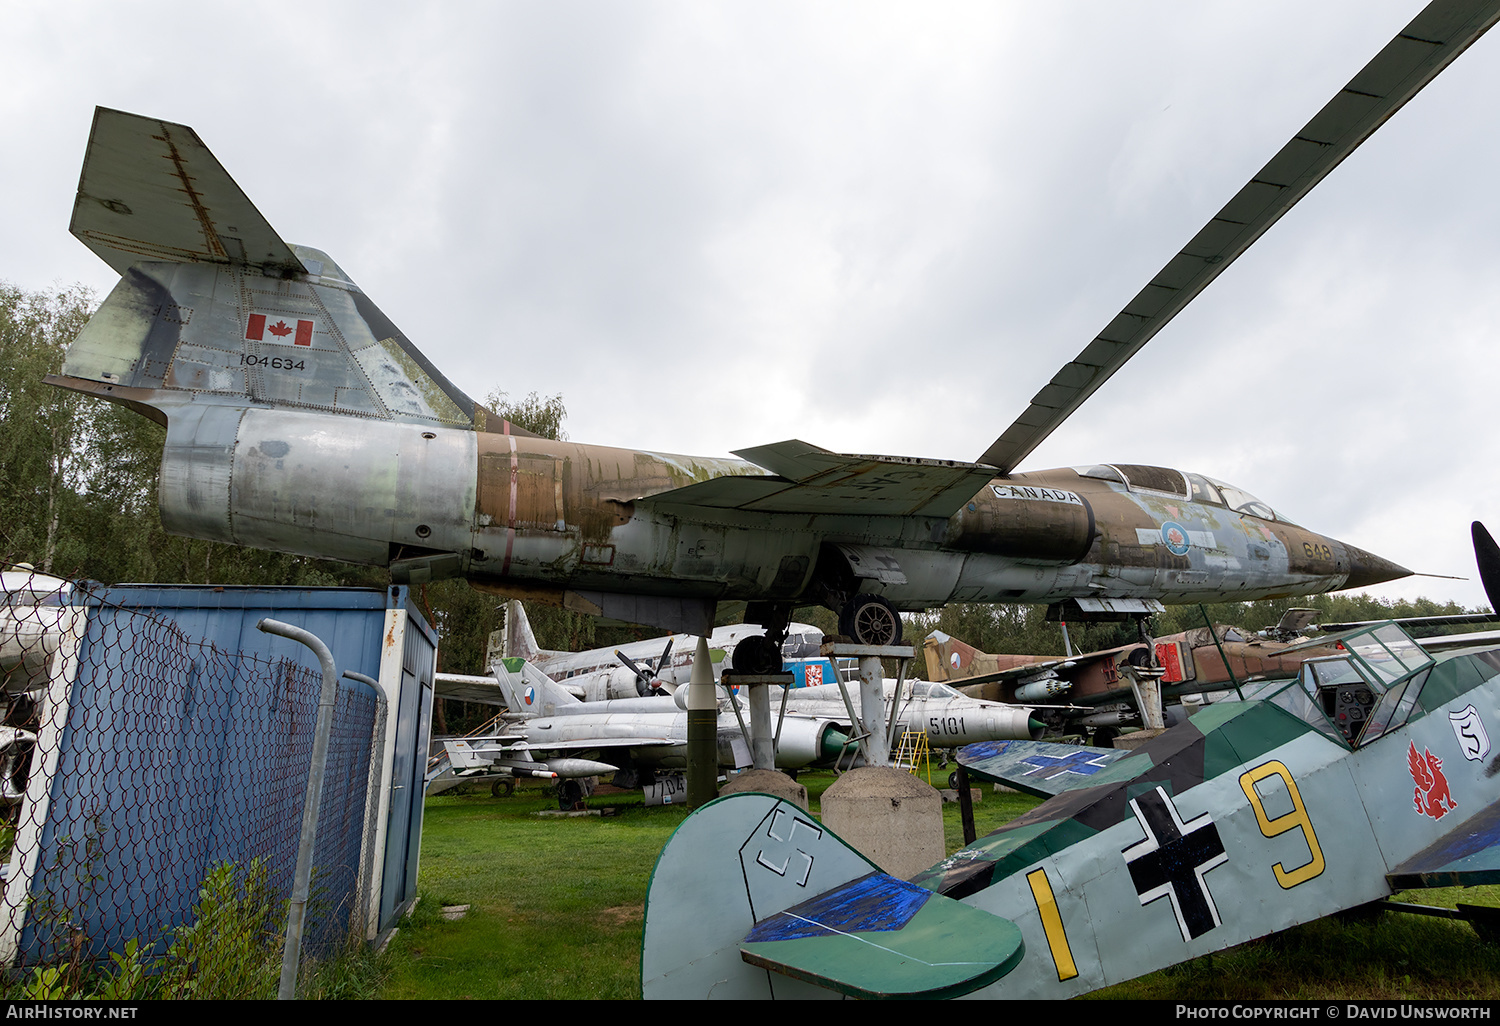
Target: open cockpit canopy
(1370,687)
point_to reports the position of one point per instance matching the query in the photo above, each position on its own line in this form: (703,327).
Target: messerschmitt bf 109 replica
(300,419)
(1369,771)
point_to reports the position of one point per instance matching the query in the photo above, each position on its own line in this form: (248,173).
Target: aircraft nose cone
(1366,568)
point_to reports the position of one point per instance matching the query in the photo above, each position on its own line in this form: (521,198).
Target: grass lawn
(555,912)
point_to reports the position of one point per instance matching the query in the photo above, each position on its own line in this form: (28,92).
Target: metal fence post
(367,882)
(301,882)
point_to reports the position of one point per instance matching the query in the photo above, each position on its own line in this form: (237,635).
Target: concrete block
(890,817)
(764,781)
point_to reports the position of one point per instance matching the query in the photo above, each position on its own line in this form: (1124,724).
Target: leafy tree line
(1025,630)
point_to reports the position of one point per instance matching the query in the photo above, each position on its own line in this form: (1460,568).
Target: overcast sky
(876,227)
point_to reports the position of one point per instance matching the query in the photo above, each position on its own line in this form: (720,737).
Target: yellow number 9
(1281,824)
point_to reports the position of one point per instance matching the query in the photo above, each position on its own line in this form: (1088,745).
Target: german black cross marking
(1172,860)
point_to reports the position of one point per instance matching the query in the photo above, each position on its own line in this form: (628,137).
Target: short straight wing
(1443,30)
(813,480)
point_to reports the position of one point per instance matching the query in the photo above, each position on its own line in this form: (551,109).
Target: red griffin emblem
(1431,797)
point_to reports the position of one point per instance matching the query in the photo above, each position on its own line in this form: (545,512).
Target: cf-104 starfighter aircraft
(300,419)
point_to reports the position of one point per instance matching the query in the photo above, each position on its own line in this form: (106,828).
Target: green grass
(1386,956)
(556,913)
(555,902)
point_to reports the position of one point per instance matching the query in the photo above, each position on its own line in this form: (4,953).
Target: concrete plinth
(1136,738)
(889,816)
(767,782)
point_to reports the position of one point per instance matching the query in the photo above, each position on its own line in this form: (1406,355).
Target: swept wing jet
(1195,662)
(552,733)
(1093,689)
(300,419)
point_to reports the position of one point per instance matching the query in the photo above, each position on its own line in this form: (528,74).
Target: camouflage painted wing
(1036,767)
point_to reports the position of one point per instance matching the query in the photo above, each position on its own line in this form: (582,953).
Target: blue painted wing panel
(1036,767)
(880,937)
(1467,856)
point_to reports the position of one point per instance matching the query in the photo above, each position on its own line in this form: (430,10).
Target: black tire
(503,788)
(953,780)
(757,654)
(570,794)
(870,620)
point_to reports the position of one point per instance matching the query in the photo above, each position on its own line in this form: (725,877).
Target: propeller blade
(1487,555)
(634,667)
(665,662)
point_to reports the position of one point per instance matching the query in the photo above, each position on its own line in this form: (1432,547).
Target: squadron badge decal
(1431,797)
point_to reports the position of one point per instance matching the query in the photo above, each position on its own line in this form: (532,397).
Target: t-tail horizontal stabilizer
(803,915)
(214,308)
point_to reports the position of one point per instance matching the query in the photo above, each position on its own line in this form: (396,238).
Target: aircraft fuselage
(536,518)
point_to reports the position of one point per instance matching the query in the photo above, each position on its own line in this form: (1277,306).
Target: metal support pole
(702,731)
(1215,635)
(965,804)
(292,951)
(871,708)
(367,883)
(762,743)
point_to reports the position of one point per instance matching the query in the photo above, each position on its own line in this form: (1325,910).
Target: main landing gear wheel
(503,787)
(870,620)
(757,654)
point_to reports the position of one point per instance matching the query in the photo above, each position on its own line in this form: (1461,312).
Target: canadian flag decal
(261,329)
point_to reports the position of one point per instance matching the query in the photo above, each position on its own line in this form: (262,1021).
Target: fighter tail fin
(519,639)
(752,897)
(948,658)
(529,692)
(213,307)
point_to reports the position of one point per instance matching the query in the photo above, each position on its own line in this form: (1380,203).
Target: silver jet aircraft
(555,734)
(300,419)
(642,668)
(948,718)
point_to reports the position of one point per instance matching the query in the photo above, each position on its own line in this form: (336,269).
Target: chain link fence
(138,762)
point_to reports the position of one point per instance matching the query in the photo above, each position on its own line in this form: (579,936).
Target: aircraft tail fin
(214,308)
(797,913)
(948,658)
(529,692)
(519,639)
